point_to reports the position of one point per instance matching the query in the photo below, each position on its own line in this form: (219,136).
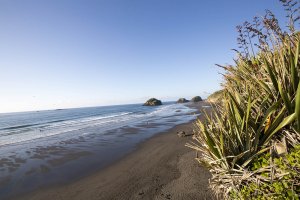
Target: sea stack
(182,100)
(153,102)
(196,99)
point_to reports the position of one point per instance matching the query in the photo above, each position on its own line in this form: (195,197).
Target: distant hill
(216,96)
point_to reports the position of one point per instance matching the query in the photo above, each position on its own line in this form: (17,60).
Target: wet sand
(160,168)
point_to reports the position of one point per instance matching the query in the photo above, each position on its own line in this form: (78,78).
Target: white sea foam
(102,122)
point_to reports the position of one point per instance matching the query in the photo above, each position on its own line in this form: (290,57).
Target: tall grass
(260,109)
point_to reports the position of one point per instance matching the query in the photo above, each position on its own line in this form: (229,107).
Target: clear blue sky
(60,53)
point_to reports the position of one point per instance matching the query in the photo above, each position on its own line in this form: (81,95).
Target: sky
(79,53)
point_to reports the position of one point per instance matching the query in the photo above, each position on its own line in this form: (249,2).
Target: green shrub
(260,107)
(286,186)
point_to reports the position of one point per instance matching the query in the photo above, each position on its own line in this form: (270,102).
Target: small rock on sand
(183,134)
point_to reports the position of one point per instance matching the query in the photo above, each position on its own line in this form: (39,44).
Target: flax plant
(260,107)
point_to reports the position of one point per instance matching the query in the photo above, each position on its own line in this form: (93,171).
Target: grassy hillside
(215,97)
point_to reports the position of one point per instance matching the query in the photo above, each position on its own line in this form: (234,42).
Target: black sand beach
(159,168)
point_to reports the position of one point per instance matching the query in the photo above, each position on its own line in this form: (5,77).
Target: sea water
(53,146)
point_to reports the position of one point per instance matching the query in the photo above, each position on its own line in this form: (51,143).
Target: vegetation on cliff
(215,97)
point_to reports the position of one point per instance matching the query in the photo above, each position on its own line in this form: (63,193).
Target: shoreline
(168,171)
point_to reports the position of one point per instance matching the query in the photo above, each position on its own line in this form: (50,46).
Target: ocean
(56,146)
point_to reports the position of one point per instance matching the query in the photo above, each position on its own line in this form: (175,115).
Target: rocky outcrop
(196,99)
(153,102)
(182,100)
